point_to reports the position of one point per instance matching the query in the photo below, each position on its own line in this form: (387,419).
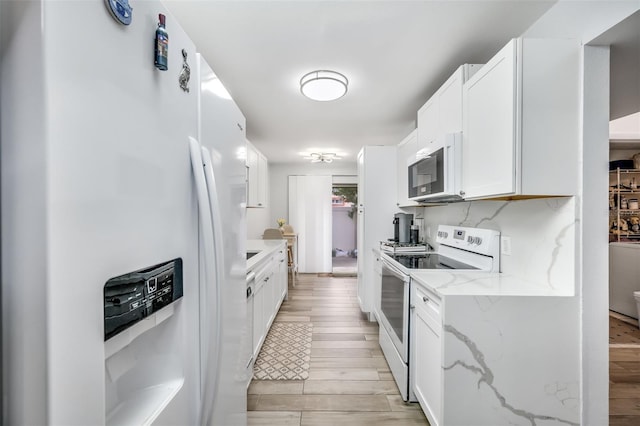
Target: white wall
(277,201)
(278,178)
(258,219)
(344,228)
(585,21)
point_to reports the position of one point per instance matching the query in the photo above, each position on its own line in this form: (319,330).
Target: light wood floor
(349,380)
(624,373)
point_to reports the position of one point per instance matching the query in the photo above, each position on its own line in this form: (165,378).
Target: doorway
(618,48)
(344,252)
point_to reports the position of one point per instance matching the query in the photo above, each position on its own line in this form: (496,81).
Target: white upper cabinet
(263,180)
(257,177)
(442,113)
(406,155)
(520,121)
(427,123)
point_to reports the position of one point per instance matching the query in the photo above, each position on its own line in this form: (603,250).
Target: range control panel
(476,240)
(131,297)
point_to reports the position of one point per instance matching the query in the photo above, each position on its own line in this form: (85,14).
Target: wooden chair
(272,234)
(288,229)
(276,234)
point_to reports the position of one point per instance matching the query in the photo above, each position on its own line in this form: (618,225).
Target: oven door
(394,307)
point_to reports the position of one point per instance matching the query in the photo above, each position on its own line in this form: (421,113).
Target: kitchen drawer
(427,302)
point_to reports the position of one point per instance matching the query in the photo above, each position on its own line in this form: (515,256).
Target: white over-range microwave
(436,174)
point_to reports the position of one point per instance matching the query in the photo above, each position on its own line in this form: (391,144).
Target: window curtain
(310,215)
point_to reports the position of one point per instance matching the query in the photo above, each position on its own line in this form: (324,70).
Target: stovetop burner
(429,261)
(396,247)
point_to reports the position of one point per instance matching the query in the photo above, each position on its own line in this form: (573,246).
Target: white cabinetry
(283,276)
(426,349)
(257,177)
(520,121)
(248,344)
(442,113)
(377,190)
(258,318)
(269,290)
(406,154)
(427,123)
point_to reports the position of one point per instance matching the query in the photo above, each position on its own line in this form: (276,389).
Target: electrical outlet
(505,245)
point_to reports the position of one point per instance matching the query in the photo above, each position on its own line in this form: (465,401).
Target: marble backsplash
(542,232)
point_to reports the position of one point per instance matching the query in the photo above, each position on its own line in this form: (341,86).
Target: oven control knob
(478,240)
(470,239)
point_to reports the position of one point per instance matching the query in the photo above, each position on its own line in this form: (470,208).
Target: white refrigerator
(101,183)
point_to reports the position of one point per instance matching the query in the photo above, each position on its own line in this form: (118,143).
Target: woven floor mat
(286,352)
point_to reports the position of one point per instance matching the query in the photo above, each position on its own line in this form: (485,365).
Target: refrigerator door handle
(206,233)
(211,387)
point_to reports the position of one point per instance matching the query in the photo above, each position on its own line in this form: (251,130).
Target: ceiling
(395,54)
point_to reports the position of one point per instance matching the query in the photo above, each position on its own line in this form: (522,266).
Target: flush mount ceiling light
(322,157)
(324,85)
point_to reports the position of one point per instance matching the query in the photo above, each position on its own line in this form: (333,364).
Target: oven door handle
(386,264)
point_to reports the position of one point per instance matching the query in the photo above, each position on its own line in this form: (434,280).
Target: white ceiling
(395,54)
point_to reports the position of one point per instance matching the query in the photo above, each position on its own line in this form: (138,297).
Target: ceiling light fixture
(324,85)
(322,157)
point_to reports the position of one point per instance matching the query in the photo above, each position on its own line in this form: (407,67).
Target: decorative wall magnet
(161,45)
(120,10)
(185,74)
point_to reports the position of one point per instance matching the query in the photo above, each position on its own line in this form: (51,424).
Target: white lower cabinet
(282,276)
(269,290)
(269,303)
(426,352)
(258,324)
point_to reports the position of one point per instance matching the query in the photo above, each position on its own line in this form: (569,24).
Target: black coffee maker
(402,227)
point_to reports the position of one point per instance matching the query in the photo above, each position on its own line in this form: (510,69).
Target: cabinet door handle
(461,193)
(249,363)
(412,307)
(425,299)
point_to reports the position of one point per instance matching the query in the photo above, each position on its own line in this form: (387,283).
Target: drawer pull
(425,299)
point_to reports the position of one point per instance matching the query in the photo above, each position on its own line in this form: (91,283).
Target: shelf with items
(624,205)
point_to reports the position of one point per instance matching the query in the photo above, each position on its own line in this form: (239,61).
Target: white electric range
(459,248)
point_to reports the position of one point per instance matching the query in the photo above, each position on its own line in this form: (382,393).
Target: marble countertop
(264,248)
(478,283)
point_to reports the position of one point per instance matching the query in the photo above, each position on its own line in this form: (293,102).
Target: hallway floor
(624,371)
(349,379)
(344,266)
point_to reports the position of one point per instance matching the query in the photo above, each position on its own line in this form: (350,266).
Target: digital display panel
(458,234)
